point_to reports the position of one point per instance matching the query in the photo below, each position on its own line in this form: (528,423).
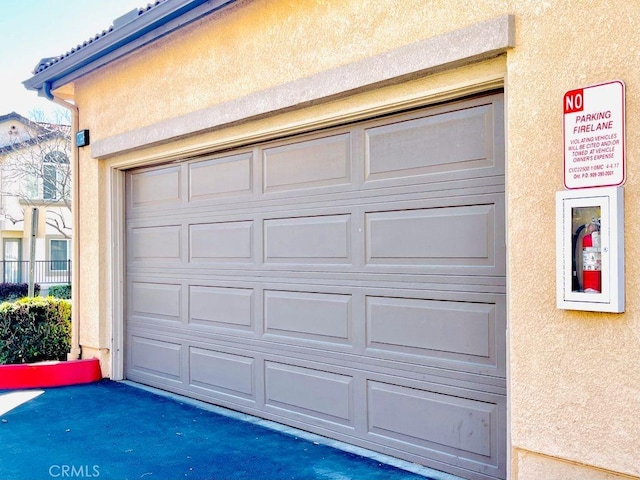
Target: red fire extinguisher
(592,259)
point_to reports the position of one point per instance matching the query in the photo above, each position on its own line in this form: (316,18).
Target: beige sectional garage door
(349,282)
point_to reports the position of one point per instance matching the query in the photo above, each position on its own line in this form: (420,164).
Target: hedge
(35,329)
(60,291)
(13,291)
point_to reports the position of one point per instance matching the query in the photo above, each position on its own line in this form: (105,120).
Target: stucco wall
(532,465)
(574,383)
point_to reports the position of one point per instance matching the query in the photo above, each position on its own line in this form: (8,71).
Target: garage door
(349,282)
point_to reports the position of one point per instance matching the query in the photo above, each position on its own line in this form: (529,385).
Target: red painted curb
(50,374)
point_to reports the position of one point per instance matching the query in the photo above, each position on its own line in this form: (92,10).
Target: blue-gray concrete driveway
(111,430)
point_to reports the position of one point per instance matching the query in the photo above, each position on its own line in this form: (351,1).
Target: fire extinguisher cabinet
(590,249)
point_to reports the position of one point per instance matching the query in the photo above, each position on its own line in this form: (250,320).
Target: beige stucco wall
(533,465)
(574,397)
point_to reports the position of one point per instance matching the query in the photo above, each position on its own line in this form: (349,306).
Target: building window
(55,169)
(59,255)
(49,181)
(12,260)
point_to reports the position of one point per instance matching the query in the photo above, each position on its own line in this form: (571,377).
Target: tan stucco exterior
(574,394)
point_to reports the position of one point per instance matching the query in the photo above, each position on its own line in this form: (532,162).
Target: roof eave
(146,28)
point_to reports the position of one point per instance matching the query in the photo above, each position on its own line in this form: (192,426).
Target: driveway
(111,430)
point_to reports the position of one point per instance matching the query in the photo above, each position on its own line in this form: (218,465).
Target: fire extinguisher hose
(575,282)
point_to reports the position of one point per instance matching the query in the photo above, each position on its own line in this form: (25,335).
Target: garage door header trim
(474,43)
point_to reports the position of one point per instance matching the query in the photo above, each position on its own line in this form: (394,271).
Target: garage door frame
(116,221)
(116,253)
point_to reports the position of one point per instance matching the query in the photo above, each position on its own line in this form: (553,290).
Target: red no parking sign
(594,136)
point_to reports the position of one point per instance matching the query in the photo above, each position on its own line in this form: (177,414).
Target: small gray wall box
(82,138)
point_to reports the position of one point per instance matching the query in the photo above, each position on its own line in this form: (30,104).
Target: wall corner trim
(473,43)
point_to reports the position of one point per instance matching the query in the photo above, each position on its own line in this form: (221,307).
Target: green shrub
(13,291)
(60,291)
(35,329)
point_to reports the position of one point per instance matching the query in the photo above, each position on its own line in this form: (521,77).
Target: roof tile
(47,62)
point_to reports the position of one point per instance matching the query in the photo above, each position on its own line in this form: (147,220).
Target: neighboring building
(35,174)
(340,215)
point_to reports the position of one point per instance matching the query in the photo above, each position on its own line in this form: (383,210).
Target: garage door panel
(155,357)
(222,372)
(454,236)
(465,428)
(221,307)
(156,300)
(315,393)
(312,164)
(318,316)
(317,239)
(448,145)
(280,206)
(221,242)
(220,178)
(156,244)
(420,329)
(155,188)
(427,327)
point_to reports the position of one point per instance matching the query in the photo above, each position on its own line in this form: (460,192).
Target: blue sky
(33,29)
